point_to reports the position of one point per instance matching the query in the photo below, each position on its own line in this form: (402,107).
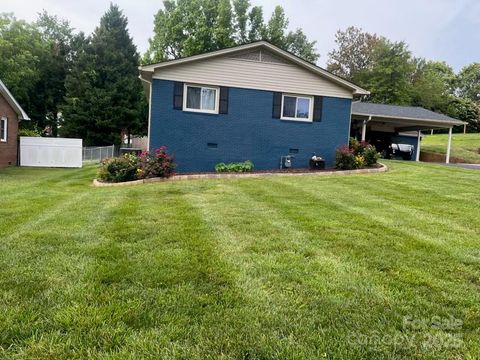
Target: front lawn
(367,266)
(464,146)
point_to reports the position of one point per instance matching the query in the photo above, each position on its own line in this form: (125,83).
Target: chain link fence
(98,153)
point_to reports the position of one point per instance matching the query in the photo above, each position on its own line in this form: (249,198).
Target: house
(11,113)
(255,102)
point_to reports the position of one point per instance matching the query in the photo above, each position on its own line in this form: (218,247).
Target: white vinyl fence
(50,152)
(97,153)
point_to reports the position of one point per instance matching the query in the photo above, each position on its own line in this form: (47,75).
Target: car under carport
(378,123)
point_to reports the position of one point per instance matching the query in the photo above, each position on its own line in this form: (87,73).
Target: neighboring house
(260,103)
(11,113)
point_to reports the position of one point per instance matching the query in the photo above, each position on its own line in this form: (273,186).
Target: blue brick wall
(247,132)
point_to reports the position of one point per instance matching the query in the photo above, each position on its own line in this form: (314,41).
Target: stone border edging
(382,168)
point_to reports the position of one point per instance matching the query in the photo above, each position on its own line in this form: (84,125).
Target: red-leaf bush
(356,155)
(155,164)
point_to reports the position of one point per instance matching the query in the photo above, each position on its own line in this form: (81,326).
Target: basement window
(200,98)
(3,129)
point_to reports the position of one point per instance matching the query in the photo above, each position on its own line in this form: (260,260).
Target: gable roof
(401,112)
(22,115)
(356,90)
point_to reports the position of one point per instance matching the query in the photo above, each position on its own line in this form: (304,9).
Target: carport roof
(405,114)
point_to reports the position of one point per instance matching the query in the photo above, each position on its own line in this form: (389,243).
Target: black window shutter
(277,105)
(223,108)
(317,108)
(178,95)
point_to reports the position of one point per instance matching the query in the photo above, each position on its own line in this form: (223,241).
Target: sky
(446,30)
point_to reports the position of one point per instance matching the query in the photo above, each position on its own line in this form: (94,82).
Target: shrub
(156,164)
(131,167)
(118,169)
(29,132)
(357,155)
(239,167)
(358,162)
(371,155)
(344,158)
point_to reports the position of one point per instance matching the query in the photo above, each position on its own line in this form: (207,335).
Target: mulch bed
(275,171)
(258,173)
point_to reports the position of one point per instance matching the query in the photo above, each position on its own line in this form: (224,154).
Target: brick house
(260,103)
(11,113)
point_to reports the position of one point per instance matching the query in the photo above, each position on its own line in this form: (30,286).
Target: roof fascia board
(389,117)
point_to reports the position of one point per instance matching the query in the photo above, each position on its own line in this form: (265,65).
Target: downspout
(149,109)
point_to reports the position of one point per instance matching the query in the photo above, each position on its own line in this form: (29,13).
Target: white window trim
(217,98)
(310,108)
(4,136)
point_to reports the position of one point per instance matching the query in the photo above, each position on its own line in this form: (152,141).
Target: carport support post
(419,140)
(449,146)
(364,128)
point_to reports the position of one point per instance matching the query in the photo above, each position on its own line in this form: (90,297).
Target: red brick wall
(8,150)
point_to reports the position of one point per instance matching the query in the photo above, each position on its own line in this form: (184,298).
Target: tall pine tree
(104,95)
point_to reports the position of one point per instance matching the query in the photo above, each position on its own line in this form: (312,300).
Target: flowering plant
(155,164)
(356,155)
(129,167)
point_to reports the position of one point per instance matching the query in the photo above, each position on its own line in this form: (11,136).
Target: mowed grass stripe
(411,212)
(279,251)
(409,282)
(47,276)
(165,284)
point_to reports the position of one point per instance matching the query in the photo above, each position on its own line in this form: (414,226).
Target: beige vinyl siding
(226,71)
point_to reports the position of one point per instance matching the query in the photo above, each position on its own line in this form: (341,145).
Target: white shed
(50,152)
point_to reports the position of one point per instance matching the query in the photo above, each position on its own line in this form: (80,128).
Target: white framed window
(200,98)
(3,129)
(297,107)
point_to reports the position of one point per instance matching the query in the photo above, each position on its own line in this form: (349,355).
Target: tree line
(394,76)
(78,85)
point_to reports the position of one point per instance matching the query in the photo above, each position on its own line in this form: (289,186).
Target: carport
(394,119)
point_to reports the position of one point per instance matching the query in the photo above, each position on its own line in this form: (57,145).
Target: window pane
(3,134)
(208,99)
(289,103)
(193,97)
(303,108)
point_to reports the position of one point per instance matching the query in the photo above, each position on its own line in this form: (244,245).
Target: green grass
(281,267)
(464,146)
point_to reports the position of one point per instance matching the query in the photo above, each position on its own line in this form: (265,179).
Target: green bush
(239,167)
(118,169)
(29,132)
(371,155)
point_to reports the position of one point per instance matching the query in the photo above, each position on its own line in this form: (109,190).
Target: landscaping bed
(257,173)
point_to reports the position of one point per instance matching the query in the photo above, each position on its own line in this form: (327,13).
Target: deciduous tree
(184,28)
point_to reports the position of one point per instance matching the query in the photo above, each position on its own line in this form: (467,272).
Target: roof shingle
(405,112)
